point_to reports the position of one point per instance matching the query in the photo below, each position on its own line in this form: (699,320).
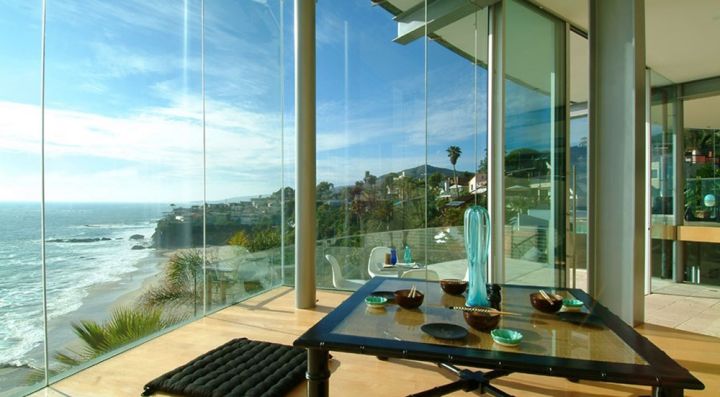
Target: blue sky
(123,116)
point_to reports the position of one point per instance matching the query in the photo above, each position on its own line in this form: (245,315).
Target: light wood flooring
(272,317)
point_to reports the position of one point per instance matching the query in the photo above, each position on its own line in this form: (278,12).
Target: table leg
(667,392)
(317,374)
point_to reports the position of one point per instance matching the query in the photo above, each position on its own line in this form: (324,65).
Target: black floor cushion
(241,367)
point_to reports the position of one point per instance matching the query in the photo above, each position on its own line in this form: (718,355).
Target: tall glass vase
(477,242)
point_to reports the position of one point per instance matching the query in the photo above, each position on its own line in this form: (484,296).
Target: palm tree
(180,282)
(454,153)
(124,326)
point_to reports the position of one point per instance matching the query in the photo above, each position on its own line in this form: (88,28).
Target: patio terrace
(272,317)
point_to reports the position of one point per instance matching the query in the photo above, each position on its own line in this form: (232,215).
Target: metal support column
(496,141)
(616,249)
(305,234)
(679,184)
(647,241)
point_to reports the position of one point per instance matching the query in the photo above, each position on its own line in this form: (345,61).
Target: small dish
(375,302)
(506,337)
(444,330)
(572,304)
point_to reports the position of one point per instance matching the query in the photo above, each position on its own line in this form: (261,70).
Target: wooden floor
(272,317)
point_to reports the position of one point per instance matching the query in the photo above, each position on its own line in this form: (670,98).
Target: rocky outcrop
(79,240)
(137,237)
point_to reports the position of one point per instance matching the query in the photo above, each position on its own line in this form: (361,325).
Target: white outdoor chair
(421,274)
(339,281)
(376,261)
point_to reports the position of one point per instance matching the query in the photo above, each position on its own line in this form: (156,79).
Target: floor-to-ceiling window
(370,141)
(577,181)
(456,136)
(246,190)
(663,162)
(22,340)
(701,171)
(401,137)
(155,151)
(535,146)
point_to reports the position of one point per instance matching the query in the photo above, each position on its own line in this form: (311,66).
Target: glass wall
(22,341)
(701,171)
(370,142)
(577,183)
(158,207)
(701,164)
(685,136)
(663,122)
(401,140)
(535,165)
(456,136)
(243,118)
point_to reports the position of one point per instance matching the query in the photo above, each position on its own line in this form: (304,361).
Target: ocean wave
(115,226)
(72,271)
(20,337)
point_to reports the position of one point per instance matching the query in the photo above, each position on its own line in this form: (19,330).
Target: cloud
(117,60)
(160,17)
(330,27)
(163,143)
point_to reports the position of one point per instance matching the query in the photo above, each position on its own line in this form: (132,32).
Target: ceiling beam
(701,88)
(440,13)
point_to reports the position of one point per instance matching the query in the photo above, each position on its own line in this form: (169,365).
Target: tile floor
(687,307)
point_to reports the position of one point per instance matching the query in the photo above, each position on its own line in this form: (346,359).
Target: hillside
(419,172)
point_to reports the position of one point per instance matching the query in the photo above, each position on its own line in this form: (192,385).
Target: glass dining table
(589,344)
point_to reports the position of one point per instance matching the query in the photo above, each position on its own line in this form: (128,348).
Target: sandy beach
(102,299)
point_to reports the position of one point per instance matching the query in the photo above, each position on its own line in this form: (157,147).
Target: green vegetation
(181,284)
(125,325)
(260,240)
(454,153)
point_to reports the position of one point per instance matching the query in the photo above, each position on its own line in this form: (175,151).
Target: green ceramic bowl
(572,304)
(376,302)
(506,337)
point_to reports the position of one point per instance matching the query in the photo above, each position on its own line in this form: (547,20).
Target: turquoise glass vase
(477,242)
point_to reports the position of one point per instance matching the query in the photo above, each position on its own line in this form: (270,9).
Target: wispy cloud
(163,143)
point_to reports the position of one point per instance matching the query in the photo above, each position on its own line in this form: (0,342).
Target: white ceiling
(682,37)
(682,44)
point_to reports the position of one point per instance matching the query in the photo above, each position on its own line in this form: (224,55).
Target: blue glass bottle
(393,255)
(477,243)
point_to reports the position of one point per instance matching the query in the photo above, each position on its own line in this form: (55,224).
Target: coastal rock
(137,237)
(138,247)
(79,240)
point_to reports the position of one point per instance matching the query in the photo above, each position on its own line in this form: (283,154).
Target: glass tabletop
(566,334)
(593,344)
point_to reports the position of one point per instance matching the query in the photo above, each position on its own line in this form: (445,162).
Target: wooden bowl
(453,286)
(543,305)
(482,321)
(403,299)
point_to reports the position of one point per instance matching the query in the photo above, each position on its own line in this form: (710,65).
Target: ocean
(89,259)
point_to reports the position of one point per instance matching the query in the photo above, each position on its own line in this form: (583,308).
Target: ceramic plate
(444,330)
(506,337)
